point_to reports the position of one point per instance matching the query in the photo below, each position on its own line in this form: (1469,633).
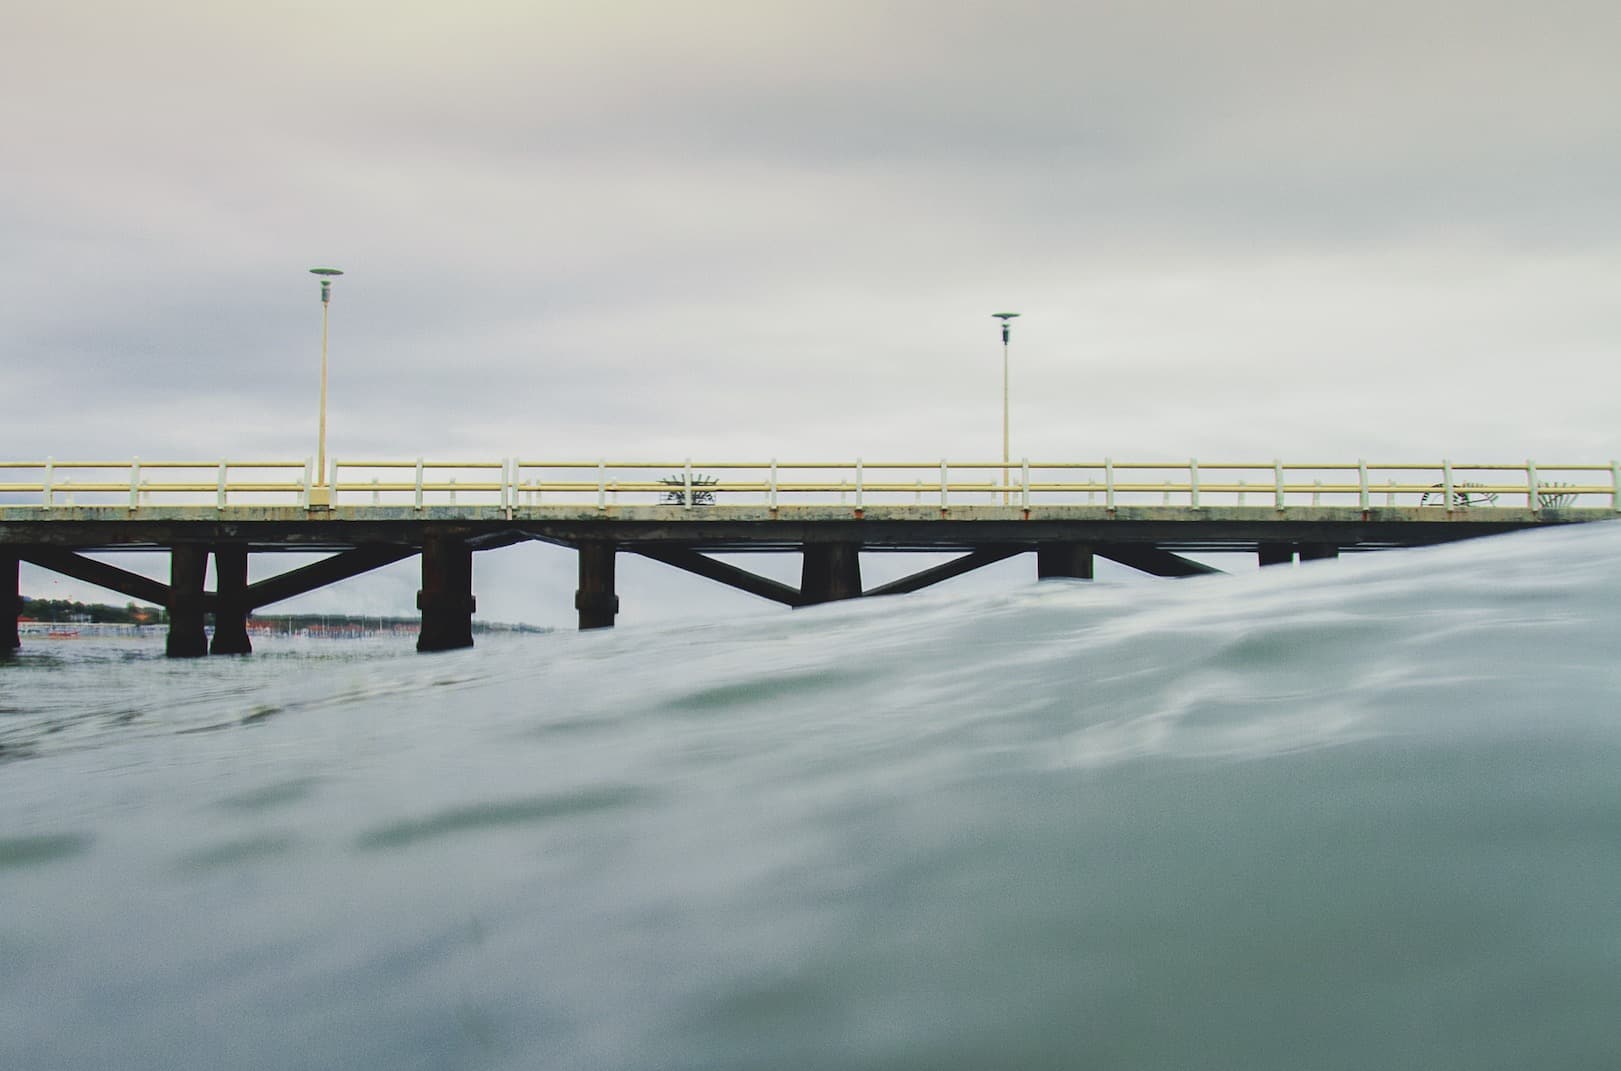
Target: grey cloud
(650,227)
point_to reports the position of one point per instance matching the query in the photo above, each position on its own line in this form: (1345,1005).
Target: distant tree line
(64,610)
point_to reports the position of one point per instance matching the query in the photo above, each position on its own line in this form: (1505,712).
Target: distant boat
(63,634)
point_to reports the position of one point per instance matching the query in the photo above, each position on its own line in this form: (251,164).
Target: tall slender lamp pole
(1005,317)
(326,275)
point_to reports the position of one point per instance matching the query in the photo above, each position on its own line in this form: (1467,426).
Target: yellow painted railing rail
(522,483)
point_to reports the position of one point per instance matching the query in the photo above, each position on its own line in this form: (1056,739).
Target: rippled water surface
(1359,814)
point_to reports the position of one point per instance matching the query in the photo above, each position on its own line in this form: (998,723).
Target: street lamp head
(326,275)
(1005,317)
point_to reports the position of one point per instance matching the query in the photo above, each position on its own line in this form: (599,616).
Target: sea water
(1352,814)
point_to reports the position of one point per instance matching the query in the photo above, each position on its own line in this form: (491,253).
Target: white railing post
(1108,484)
(1277,484)
(1362,483)
(418,486)
(943,484)
(1390,495)
(47,495)
(1193,482)
(309,479)
(1241,485)
(376,495)
(219,489)
(602,485)
(1024,483)
(1446,483)
(773,492)
(860,483)
(332,481)
(134,483)
(506,487)
(686,485)
(1317,492)
(1532,499)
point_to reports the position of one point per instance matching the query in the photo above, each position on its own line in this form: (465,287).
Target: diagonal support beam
(1154,561)
(68,563)
(956,567)
(340,566)
(722,573)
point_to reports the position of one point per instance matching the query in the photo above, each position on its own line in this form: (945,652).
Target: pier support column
(1316,552)
(595,599)
(446,599)
(1276,553)
(188,563)
(832,571)
(230,601)
(1064,560)
(11,602)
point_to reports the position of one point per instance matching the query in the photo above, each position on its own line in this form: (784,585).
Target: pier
(367,513)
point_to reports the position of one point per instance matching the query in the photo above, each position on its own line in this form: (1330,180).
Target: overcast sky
(1236,230)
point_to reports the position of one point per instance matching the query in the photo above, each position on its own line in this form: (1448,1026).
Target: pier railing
(522,483)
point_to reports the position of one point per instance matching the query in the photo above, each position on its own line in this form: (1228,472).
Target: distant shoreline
(41,616)
(104,630)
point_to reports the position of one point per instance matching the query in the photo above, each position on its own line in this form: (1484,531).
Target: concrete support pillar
(188,564)
(1276,553)
(832,571)
(11,603)
(595,599)
(230,601)
(1316,552)
(1063,560)
(446,599)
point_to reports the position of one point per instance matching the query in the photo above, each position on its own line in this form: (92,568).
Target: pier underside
(829,544)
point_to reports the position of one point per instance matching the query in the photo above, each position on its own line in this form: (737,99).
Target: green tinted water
(1362,814)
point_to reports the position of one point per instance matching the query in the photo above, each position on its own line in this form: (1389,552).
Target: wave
(1349,813)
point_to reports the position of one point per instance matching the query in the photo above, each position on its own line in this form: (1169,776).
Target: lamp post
(324,497)
(1004,317)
